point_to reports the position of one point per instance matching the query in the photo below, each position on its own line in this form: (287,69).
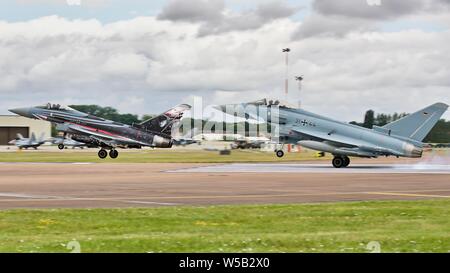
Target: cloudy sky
(145,56)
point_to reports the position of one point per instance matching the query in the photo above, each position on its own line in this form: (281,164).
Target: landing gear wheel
(113,153)
(61,146)
(279,153)
(346,161)
(102,154)
(338,162)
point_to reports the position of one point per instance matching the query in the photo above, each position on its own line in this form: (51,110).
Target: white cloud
(146,65)
(214,18)
(339,18)
(361,8)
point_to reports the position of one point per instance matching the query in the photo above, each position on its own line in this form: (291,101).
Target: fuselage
(68,118)
(297,126)
(378,143)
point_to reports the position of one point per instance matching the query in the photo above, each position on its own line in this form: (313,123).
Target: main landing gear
(341,161)
(61,146)
(103,153)
(113,154)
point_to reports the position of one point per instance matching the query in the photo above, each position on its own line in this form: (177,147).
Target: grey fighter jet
(107,134)
(402,138)
(186,139)
(25,143)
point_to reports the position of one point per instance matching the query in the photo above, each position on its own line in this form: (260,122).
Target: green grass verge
(399,226)
(154,156)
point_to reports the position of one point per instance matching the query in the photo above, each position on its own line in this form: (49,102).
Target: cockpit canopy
(50,106)
(271,102)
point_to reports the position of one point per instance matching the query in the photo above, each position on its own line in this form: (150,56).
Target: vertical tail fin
(163,123)
(416,126)
(41,138)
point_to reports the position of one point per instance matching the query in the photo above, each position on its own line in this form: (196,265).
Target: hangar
(11,125)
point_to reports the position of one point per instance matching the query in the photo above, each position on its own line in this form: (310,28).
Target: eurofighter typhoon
(401,138)
(107,134)
(25,143)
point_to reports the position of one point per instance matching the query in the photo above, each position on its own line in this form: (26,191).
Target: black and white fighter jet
(107,134)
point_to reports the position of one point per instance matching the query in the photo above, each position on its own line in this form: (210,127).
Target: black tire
(279,153)
(102,154)
(113,154)
(338,162)
(346,161)
(61,146)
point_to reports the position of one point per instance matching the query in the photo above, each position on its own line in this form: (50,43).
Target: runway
(106,185)
(321,168)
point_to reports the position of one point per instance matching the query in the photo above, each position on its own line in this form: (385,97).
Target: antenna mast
(286,81)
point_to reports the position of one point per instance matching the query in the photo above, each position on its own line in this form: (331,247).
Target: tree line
(110,113)
(439,134)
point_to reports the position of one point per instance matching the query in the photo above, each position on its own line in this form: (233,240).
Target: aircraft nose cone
(25,112)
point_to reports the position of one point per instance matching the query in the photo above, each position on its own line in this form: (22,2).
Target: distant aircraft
(186,139)
(25,143)
(107,134)
(219,137)
(248,144)
(64,142)
(401,138)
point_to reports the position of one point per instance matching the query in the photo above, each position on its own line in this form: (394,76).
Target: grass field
(399,226)
(153,156)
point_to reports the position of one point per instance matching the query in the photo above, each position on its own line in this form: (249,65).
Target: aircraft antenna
(286,81)
(299,79)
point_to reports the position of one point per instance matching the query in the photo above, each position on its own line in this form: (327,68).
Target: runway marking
(127,199)
(150,203)
(27,196)
(185,197)
(409,194)
(47,163)
(317,168)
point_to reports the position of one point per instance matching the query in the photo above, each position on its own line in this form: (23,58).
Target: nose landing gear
(279,153)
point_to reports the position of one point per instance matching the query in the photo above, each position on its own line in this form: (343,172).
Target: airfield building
(11,125)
